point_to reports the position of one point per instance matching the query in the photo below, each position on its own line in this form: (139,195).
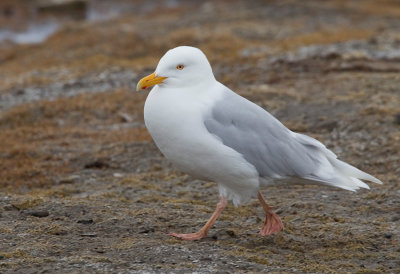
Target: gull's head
(180,67)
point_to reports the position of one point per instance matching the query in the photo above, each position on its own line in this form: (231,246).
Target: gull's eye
(180,67)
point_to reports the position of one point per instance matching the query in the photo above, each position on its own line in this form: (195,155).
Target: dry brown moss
(33,133)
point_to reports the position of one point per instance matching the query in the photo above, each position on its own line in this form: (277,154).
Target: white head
(180,67)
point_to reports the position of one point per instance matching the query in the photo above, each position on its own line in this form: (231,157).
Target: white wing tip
(370,178)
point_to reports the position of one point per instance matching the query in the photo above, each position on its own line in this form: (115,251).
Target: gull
(210,132)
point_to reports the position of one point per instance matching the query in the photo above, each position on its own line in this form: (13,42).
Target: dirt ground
(84,189)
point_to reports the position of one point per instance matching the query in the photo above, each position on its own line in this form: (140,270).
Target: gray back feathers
(262,140)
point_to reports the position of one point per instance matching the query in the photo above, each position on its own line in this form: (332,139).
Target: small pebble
(96,164)
(90,235)
(147,230)
(397,118)
(69,179)
(395,218)
(125,117)
(10,207)
(86,222)
(231,233)
(388,235)
(118,175)
(60,233)
(99,250)
(38,213)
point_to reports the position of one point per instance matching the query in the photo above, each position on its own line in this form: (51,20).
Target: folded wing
(274,150)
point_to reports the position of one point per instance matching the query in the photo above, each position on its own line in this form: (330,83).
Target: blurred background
(81,179)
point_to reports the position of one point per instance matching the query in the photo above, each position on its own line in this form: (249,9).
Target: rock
(388,235)
(125,117)
(98,250)
(231,233)
(69,179)
(97,164)
(37,213)
(59,233)
(397,118)
(395,218)
(89,234)
(10,207)
(85,221)
(147,230)
(118,175)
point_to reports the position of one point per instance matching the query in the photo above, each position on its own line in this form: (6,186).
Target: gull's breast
(175,121)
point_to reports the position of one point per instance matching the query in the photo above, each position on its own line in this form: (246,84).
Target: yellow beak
(149,81)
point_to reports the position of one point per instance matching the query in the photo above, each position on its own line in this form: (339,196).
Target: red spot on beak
(144,87)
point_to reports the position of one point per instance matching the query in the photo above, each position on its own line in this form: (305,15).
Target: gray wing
(263,141)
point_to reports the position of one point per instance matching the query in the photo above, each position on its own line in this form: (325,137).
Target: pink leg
(203,231)
(272,221)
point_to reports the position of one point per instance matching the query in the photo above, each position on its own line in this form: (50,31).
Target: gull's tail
(345,176)
(335,172)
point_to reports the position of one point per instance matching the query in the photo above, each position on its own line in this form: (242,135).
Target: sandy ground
(84,189)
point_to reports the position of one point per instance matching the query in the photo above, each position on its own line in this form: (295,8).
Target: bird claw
(190,236)
(272,225)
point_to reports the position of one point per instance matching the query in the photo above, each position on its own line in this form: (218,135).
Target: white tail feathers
(351,171)
(345,176)
(331,171)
